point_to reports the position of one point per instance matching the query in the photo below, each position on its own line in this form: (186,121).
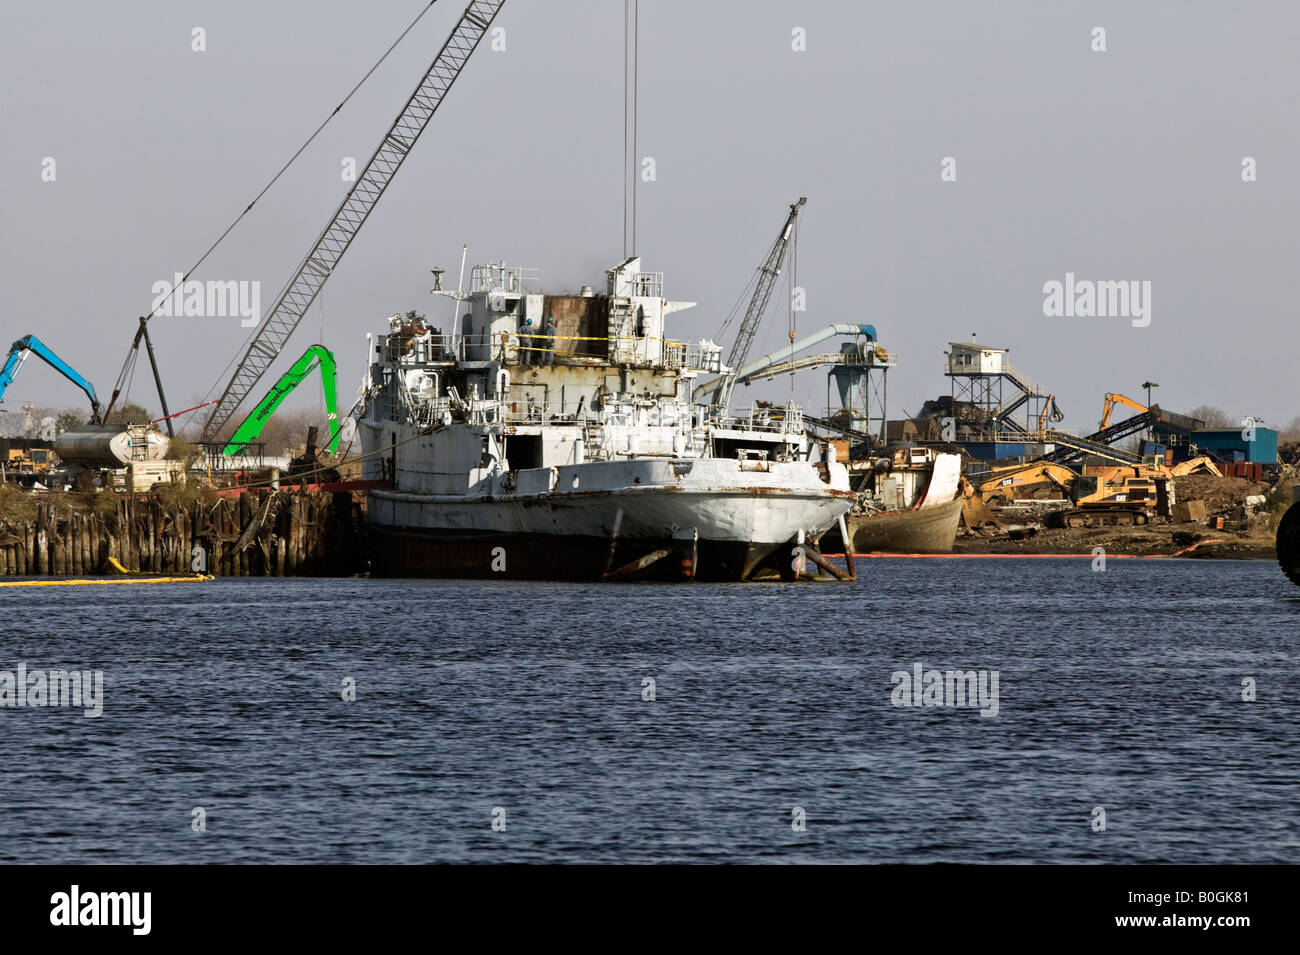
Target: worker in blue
(526,341)
(548,341)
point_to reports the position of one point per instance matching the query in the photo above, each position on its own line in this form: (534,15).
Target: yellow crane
(1050,413)
(1113,399)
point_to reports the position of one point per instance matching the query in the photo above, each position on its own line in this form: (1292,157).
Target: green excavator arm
(252,426)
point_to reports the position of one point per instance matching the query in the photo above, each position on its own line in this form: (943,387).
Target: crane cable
(626,167)
(636,68)
(631,64)
(275,179)
(744,296)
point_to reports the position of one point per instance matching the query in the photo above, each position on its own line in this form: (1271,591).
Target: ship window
(729,447)
(524,451)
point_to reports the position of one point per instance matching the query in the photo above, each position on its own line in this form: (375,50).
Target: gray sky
(1116,165)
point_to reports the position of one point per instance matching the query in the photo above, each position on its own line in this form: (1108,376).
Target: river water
(773,735)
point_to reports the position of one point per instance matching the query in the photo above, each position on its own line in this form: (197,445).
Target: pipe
(825,564)
(787,351)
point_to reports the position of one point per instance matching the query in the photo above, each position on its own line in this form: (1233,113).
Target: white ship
(512,449)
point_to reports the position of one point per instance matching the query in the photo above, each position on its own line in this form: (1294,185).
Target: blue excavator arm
(30,343)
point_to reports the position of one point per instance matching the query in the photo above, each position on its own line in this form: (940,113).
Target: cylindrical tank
(110,446)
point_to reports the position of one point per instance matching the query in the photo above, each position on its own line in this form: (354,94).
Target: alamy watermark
(955,688)
(129,909)
(1084,298)
(212,299)
(39,688)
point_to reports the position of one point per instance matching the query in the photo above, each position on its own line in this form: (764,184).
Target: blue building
(1229,444)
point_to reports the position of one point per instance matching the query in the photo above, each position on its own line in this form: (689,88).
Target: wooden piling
(42,545)
(299,534)
(89,543)
(60,560)
(291,537)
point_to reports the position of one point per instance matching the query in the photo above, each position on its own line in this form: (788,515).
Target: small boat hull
(927,530)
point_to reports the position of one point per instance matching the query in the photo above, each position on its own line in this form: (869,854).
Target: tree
(184,451)
(286,431)
(130,414)
(1213,417)
(1291,432)
(67,420)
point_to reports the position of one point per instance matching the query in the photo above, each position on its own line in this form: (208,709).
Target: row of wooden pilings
(268,534)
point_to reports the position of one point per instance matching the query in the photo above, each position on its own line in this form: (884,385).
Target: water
(1119,689)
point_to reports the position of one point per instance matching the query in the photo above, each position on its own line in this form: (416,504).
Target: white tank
(110,446)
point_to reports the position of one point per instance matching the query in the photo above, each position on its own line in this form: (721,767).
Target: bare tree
(286,431)
(1213,417)
(1290,432)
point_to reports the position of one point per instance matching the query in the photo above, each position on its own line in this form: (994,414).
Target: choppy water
(1119,689)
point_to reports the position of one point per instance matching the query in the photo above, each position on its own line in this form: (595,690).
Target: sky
(1128,163)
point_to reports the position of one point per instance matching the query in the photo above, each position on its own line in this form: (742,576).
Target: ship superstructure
(553,436)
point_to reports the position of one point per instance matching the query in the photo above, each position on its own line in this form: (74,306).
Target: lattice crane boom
(768,273)
(301,290)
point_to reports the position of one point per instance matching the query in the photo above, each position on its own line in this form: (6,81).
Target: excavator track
(1288,544)
(1101,517)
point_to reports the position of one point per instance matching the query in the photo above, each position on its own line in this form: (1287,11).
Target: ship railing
(539,349)
(705,356)
(676,354)
(524,411)
(780,418)
(424,349)
(643,284)
(497,276)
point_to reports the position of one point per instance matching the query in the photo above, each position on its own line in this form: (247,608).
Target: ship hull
(468,555)
(704,534)
(928,530)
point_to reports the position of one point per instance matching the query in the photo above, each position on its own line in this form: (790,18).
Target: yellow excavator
(1125,494)
(1119,495)
(1015,480)
(1202,464)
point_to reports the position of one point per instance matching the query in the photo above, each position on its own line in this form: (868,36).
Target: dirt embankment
(1237,525)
